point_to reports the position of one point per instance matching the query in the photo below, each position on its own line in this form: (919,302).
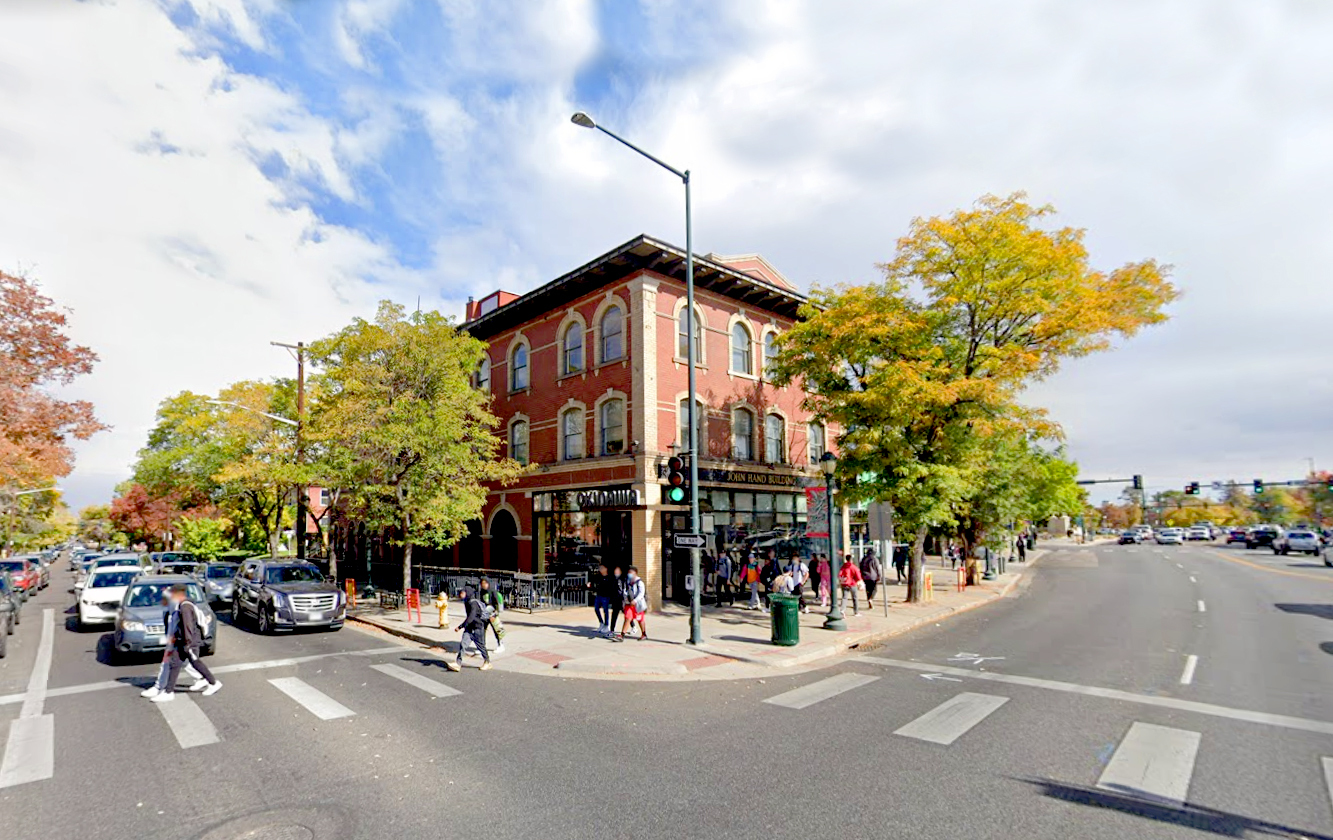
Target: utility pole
(302,489)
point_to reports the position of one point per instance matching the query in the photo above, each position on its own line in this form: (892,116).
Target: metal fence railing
(521,591)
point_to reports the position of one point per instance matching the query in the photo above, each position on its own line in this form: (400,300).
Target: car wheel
(4,641)
(236,614)
(18,619)
(265,623)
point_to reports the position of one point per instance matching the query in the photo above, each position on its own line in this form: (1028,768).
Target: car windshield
(218,572)
(292,574)
(105,579)
(151,594)
(1301,535)
(13,565)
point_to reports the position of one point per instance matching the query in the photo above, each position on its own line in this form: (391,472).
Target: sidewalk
(565,643)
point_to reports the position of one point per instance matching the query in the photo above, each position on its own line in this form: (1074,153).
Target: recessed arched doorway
(504,541)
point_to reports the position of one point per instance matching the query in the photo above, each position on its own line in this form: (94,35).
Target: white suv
(1303,541)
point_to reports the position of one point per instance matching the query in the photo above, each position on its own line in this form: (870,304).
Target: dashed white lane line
(1153,762)
(1246,715)
(1187,676)
(1193,579)
(1178,566)
(1203,607)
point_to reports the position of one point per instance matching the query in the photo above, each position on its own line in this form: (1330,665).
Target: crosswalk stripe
(30,751)
(1153,762)
(426,684)
(951,719)
(188,722)
(808,695)
(315,701)
(1328,776)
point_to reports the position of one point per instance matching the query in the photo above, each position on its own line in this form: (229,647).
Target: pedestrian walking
(799,571)
(492,602)
(605,589)
(752,579)
(900,562)
(707,569)
(871,573)
(723,575)
(1022,546)
(617,591)
(160,684)
(636,604)
(474,630)
(849,576)
(825,579)
(184,638)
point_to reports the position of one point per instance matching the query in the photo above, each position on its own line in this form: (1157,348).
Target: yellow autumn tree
(918,371)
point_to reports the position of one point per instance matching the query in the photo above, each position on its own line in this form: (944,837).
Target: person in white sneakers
(161,683)
(183,646)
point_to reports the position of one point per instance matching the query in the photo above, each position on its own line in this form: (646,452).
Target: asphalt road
(1174,691)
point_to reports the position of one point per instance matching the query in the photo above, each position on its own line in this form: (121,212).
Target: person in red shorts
(636,603)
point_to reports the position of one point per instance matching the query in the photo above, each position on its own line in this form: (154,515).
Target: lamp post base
(835,622)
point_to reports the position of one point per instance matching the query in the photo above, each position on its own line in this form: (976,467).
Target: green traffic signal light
(676,495)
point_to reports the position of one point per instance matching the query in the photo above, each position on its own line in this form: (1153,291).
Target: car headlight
(280,599)
(132,626)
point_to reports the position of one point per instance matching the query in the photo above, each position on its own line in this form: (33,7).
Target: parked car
(141,625)
(1263,536)
(220,581)
(158,558)
(189,568)
(1302,541)
(43,571)
(1130,537)
(286,594)
(1198,533)
(1237,535)
(1170,536)
(9,608)
(22,572)
(99,602)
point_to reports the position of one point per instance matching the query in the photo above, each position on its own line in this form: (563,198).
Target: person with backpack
(474,630)
(848,577)
(492,602)
(160,684)
(184,637)
(871,572)
(723,576)
(636,604)
(751,579)
(800,572)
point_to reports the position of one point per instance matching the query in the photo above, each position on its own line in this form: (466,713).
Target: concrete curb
(591,666)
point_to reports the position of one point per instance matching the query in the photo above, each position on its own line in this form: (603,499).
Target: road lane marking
(1193,579)
(1245,715)
(106,685)
(426,684)
(1178,566)
(1187,676)
(315,701)
(808,695)
(1153,762)
(30,750)
(1328,775)
(1223,555)
(188,722)
(950,720)
(1203,607)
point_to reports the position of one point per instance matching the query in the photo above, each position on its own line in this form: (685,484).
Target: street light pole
(692,445)
(828,462)
(302,489)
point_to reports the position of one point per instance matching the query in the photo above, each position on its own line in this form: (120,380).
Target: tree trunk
(916,567)
(407,554)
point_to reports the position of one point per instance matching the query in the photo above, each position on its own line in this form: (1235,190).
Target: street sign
(688,540)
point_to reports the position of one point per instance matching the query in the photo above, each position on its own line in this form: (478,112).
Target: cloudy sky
(197,178)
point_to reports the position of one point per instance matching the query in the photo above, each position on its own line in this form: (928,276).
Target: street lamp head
(828,462)
(582,119)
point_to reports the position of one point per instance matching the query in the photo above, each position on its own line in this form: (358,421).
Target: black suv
(1262,536)
(286,594)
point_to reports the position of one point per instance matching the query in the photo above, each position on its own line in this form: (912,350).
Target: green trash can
(785,618)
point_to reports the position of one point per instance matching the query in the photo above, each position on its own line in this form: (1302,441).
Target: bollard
(350,586)
(928,589)
(413,602)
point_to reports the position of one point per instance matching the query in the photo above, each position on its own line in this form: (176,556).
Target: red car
(1236,535)
(25,575)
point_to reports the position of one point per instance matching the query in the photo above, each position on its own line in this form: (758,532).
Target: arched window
(612,330)
(816,435)
(775,439)
(683,427)
(613,427)
(484,375)
(573,347)
(518,441)
(770,349)
(742,434)
(518,368)
(571,428)
(682,346)
(742,354)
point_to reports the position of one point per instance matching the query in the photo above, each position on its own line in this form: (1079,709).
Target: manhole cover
(322,823)
(279,832)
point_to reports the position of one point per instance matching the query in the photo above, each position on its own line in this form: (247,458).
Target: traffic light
(678,481)
(1258,486)
(1328,483)
(1192,489)
(1138,482)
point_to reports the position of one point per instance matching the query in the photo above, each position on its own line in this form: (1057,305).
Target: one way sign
(687,540)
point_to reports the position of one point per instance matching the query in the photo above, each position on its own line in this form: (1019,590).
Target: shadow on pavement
(1196,817)
(1316,610)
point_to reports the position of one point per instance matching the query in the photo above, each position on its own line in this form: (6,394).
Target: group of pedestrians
(185,632)
(481,611)
(619,597)
(761,574)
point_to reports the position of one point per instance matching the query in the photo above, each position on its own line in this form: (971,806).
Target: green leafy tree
(400,428)
(918,371)
(94,524)
(1275,506)
(206,538)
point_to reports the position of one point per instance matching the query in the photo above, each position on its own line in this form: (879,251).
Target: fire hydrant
(442,604)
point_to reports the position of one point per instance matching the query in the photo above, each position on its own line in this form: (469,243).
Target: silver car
(141,625)
(220,581)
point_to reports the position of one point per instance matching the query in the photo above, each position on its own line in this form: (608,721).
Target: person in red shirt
(849,576)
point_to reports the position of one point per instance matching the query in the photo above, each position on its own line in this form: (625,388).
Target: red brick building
(588,376)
